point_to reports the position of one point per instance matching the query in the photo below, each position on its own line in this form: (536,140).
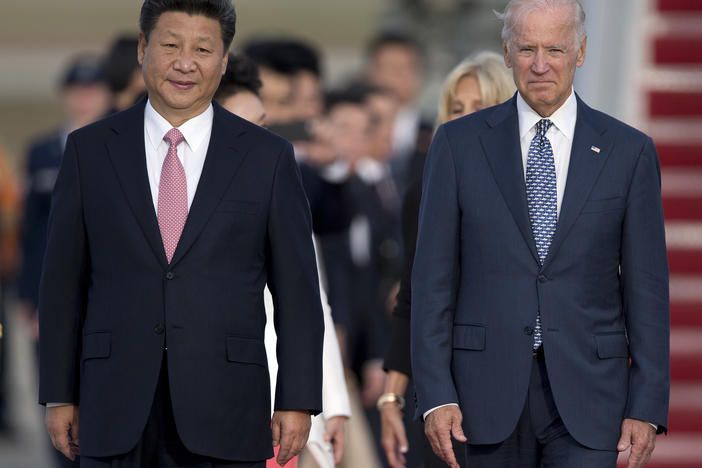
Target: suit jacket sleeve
(63,287)
(434,279)
(644,270)
(294,285)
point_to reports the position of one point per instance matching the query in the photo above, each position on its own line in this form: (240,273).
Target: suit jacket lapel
(128,156)
(222,161)
(503,151)
(583,171)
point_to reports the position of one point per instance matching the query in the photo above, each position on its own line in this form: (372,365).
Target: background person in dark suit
(540,282)
(168,220)
(238,92)
(84,98)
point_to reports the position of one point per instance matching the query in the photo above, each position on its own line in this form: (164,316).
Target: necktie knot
(542,127)
(174,137)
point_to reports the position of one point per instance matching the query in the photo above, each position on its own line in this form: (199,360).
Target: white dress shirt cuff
(436,408)
(52,405)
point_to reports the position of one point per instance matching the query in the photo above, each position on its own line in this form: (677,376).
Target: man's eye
(203,50)
(169,45)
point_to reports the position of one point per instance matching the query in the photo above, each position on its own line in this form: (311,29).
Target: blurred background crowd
(357,87)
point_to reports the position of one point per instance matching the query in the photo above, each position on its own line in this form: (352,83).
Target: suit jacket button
(528,330)
(158,328)
(170,275)
(542,278)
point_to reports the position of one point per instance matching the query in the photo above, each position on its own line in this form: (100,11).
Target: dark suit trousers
(160,446)
(540,439)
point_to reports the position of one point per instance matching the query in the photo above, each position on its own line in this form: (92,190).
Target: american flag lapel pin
(595,149)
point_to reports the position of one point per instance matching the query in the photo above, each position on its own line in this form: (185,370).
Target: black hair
(86,68)
(241,75)
(121,62)
(354,94)
(220,10)
(394,38)
(284,56)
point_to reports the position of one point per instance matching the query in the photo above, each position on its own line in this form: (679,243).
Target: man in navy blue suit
(540,319)
(168,220)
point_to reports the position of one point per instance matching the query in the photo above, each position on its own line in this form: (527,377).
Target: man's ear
(225,61)
(581,53)
(141,48)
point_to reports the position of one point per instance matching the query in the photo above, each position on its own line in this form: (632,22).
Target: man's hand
(336,435)
(290,431)
(392,435)
(641,437)
(439,426)
(59,421)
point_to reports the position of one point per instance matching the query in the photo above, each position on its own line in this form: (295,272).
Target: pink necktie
(172,195)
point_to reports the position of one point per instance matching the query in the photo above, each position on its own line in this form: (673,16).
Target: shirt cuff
(655,426)
(436,408)
(53,405)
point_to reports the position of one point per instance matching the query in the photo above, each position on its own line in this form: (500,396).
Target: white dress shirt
(191,152)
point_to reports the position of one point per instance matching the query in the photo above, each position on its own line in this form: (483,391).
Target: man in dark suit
(540,318)
(168,220)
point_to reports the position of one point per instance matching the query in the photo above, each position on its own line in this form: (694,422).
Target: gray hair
(517,10)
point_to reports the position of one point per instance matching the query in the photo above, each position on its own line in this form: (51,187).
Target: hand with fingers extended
(393,436)
(290,430)
(62,422)
(439,426)
(641,437)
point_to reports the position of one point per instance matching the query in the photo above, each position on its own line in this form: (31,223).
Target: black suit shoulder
(252,132)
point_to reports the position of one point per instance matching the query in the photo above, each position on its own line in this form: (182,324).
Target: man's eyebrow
(168,32)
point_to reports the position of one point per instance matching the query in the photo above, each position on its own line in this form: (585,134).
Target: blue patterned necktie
(541,198)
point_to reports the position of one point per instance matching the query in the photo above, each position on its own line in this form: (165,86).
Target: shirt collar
(563,118)
(194,130)
(370,170)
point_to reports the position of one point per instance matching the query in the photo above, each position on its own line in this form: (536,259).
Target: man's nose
(540,64)
(184,63)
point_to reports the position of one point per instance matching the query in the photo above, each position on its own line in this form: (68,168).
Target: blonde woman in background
(478,82)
